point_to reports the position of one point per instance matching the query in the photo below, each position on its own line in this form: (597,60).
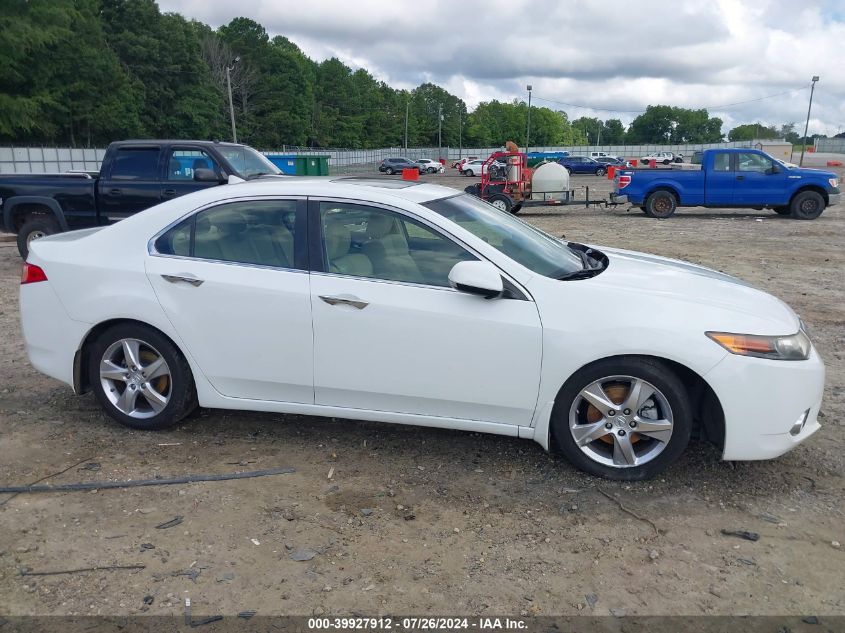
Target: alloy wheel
(135,378)
(621,421)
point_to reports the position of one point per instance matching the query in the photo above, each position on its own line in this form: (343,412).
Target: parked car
(731,178)
(458,163)
(430,166)
(213,300)
(392,166)
(134,175)
(583,165)
(663,158)
(478,166)
(598,155)
(611,160)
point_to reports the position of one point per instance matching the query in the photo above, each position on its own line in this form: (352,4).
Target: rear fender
(49,203)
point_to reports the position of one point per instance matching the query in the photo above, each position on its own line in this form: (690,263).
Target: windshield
(520,241)
(247,162)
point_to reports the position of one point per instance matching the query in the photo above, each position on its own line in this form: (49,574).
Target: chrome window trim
(437,229)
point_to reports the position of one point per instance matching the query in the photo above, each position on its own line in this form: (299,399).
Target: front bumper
(834,199)
(763,400)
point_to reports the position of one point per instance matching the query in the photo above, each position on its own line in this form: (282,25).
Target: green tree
(613,132)
(667,124)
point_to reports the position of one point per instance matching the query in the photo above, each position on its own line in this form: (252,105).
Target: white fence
(830,145)
(39,160)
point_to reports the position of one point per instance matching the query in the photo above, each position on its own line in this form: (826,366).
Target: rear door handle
(169,192)
(346,300)
(174,279)
(115,192)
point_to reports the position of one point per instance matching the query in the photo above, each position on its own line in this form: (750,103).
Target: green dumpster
(312,165)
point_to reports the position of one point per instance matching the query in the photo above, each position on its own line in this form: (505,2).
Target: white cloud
(618,56)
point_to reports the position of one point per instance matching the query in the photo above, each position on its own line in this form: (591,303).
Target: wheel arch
(16,208)
(811,187)
(708,415)
(80,359)
(664,187)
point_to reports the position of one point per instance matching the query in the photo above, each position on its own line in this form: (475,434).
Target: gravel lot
(420,521)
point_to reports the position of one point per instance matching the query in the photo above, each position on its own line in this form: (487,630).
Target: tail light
(624,181)
(30,274)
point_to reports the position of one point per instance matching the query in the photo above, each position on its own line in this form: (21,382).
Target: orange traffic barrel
(633,162)
(610,171)
(652,163)
(410,174)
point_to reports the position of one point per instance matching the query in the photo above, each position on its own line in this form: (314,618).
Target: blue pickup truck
(745,178)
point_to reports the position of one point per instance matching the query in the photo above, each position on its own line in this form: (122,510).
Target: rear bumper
(834,199)
(770,406)
(618,198)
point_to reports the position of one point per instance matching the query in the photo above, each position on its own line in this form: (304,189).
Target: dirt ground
(405,520)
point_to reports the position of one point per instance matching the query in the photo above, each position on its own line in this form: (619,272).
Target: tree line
(87,72)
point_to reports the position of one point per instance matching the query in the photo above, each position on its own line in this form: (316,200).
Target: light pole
(528,126)
(229,68)
(439,130)
(460,133)
(807,125)
(407,107)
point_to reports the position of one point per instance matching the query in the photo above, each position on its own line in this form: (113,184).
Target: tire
(501,201)
(34,228)
(601,171)
(666,161)
(644,210)
(782,210)
(661,204)
(807,205)
(622,453)
(174,389)
(470,173)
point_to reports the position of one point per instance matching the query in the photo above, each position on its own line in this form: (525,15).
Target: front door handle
(169,192)
(115,192)
(346,300)
(740,177)
(174,279)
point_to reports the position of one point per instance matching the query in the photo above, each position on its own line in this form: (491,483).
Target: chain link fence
(46,160)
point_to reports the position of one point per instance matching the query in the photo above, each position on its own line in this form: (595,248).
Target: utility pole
(229,68)
(807,125)
(460,133)
(407,107)
(528,126)
(439,130)
(598,142)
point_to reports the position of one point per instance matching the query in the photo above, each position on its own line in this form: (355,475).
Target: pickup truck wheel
(33,229)
(140,378)
(807,205)
(661,204)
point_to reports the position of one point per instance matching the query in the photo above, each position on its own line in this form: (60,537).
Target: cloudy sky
(588,57)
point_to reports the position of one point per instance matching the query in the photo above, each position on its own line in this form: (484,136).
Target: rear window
(135,163)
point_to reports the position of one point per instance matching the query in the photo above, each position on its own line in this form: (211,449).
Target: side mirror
(478,278)
(202,174)
(775,169)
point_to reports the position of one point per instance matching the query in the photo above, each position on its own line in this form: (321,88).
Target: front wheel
(600,171)
(35,228)
(389,171)
(625,418)
(140,378)
(807,205)
(661,204)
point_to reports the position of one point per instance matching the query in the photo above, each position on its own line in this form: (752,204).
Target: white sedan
(415,304)
(477,167)
(430,166)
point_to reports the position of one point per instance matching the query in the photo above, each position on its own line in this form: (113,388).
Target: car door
(719,180)
(391,335)
(754,179)
(132,184)
(180,163)
(233,280)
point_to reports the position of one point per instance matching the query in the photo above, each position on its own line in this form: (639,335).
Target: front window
(183,162)
(526,245)
(746,161)
(247,162)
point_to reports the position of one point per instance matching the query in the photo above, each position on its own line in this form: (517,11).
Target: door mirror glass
(775,169)
(202,174)
(480,278)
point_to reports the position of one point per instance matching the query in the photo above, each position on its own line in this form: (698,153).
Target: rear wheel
(666,161)
(501,201)
(661,204)
(807,205)
(140,378)
(624,418)
(35,228)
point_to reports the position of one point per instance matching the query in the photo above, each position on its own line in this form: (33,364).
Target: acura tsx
(415,304)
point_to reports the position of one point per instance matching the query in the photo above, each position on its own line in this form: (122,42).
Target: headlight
(793,347)
(833,182)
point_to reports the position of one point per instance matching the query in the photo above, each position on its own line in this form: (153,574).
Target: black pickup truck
(134,176)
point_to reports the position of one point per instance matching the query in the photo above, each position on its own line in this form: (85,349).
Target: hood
(725,302)
(809,172)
